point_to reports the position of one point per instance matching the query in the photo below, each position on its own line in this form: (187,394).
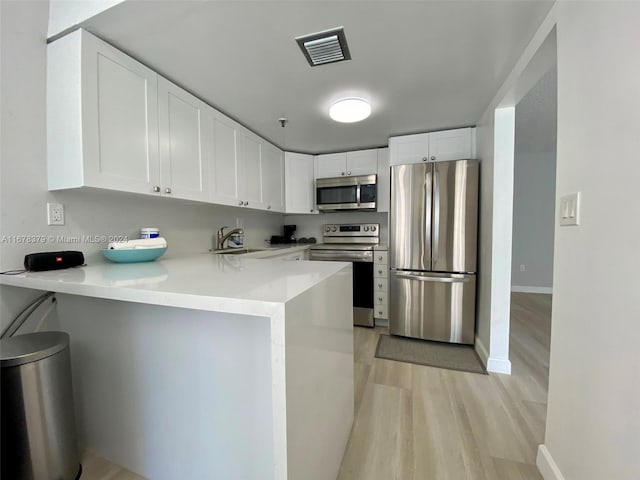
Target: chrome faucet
(222,237)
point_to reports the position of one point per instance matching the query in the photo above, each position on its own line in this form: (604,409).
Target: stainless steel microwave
(346,193)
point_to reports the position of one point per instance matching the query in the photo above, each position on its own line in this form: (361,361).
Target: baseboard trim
(547,466)
(493,365)
(481,350)
(526,289)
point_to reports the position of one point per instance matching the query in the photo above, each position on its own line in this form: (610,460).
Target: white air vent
(324,47)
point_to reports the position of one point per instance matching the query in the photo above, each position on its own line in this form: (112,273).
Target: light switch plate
(570,209)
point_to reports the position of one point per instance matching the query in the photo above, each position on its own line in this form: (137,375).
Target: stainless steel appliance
(346,193)
(353,243)
(432,250)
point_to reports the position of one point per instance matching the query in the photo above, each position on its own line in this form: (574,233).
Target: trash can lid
(31,347)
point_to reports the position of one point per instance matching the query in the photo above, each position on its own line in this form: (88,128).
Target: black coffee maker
(288,236)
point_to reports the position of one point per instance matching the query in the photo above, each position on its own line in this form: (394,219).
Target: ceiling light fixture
(349,110)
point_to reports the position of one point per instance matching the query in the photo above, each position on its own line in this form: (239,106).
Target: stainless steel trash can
(38,424)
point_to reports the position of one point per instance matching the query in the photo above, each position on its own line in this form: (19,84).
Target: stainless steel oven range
(353,243)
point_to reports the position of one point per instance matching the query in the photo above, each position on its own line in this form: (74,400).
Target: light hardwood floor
(422,423)
(415,422)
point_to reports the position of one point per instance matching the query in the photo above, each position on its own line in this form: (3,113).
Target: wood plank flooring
(414,422)
(422,423)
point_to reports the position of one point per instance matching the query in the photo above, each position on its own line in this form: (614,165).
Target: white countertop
(222,283)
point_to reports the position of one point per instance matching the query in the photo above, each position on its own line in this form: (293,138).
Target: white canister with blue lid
(149,232)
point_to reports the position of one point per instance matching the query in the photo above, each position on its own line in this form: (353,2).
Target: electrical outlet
(55,214)
(522,268)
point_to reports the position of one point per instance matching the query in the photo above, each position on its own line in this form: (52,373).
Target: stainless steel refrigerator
(433,222)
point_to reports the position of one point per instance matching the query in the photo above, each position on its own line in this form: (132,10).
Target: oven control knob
(333,229)
(327,229)
(366,228)
(373,228)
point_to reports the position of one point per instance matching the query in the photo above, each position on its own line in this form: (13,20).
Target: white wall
(65,14)
(23,183)
(593,414)
(534,190)
(495,146)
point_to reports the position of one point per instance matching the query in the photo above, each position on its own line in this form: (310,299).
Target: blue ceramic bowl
(134,255)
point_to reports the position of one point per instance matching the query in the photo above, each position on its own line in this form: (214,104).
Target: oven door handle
(358,194)
(341,256)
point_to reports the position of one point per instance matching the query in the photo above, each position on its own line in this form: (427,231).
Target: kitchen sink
(237,251)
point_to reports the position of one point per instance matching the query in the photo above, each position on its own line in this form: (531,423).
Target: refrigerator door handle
(428,209)
(427,278)
(435,239)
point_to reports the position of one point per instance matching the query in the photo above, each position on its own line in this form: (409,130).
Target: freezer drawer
(432,306)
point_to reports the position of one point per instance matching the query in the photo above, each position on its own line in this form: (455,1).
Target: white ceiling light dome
(349,110)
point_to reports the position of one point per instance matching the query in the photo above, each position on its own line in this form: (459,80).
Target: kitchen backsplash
(311,225)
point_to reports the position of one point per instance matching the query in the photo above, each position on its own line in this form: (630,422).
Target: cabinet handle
(380,258)
(342,173)
(156,188)
(167,190)
(433,158)
(380,312)
(246,203)
(348,173)
(379,285)
(240,203)
(268,207)
(424,159)
(311,211)
(380,299)
(379,272)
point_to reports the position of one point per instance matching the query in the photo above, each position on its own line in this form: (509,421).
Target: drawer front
(380,298)
(380,311)
(380,257)
(380,285)
(380,271)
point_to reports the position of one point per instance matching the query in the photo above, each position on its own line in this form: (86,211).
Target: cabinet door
(383,180)
(223,162)
(272,178)
(250,169)
(183,143)
(450,145)
(362,162)
(331,165)
(409,149)
(120,119)
(299,184)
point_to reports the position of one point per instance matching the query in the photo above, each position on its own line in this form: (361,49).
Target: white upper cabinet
(272,178)
(384,180)
(359,162)
(441,146)
(223,162)
(249,169)
(102,118)
(455,144)
(299,183)
(331,165)
(184,143)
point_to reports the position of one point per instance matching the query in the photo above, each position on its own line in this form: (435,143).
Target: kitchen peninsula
(210,366)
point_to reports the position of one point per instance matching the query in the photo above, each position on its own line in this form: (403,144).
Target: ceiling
(423,65)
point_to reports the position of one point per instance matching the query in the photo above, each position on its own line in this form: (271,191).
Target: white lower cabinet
(380,285)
